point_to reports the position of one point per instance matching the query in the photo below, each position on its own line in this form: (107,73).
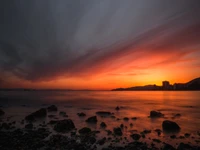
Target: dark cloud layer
(40,40)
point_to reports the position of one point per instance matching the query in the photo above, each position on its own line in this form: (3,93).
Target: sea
(18,104)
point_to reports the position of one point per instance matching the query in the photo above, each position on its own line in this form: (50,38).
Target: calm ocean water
(134,104)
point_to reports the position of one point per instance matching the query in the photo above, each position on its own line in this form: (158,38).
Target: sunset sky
(93,44)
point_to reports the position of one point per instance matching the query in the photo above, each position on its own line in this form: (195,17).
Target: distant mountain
(191,85)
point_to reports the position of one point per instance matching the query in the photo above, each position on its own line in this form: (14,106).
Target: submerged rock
(117,131)
(156,114)
(84,130)
(103,125)
(170,126)
(135,136)
(52,108)
(64,125)
(1,112)
(92,119)
(81,114)
(38,114)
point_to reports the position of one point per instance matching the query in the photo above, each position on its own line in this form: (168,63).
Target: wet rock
(134,118)
(92,119)
(38,114)
(168,147)
(122,126)
(135,136)
(183,146)
(187,135)
(101,141)
(52,108)
(156,140)
(84,130)
(170,126)
(126,119)
(173,136)
(64,125)
(5,126)
(117,131)
(109,132)
(81,114)
(103,125)
(117,108)
(156,114)
(1,112)
(146,131)
(103,113)
(29,126)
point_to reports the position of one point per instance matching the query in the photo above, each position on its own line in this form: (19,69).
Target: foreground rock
(84,130)
(92,119)
(117,131)
(38,114)
(2,112)
(103,125)
(135,136)
(156,114)
(52,108)
(170,126)
(64,125)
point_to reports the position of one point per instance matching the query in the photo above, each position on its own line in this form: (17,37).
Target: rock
(177,115)
(52,108)
(63,114)
(170,126)
(103,113)
(121,125)
(102,141)
(156,114)
(84,130)
(1,112)
(183,146)
(103,125)
(173,136)
(29,126)
(156,140)
(5,126)
(109,132)
(117,108)
(131,124)
(92,119)
(117,131)
(92,140)
(126,119)
(38,114)
(64,125)
(134,118)
(81,114)
(135,136)
(146,131)
(187,135)
(168,147)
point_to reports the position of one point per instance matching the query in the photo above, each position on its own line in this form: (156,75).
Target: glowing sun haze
(94,44)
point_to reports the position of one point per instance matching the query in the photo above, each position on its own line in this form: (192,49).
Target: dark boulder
(38,114)
(84,130)
(183,146)
(2,112)
(101,141)
(5,126)
(92,119)
(103,125)
(103,113)
(63,114)
(81,114)
(135,136)
(170,126)
(156,114)
(126,119)
(52,108)
(168,147)
(64,125)
(29,126)
(117,131)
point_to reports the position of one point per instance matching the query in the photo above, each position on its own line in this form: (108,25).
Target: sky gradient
(94,44)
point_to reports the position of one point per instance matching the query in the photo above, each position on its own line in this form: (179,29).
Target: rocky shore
(63,134)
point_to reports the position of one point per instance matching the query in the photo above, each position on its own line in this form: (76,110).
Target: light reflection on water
(134,103)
